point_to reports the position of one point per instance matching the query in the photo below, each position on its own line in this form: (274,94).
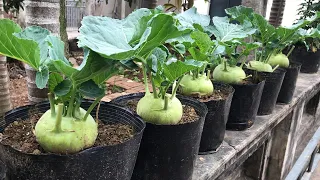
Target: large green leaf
(25,50)
(112,37)
(240,13)
(64,68)
(190,17)
(177,69)
(91,89)
(39,35)
(202,40)
(63,88)
(197,54)
(95,67)
(54,80)
(225,31)
(181,39)
(42,77)
(56,49)
(162,28)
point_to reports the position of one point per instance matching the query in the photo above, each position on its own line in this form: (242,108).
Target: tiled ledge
(269,148)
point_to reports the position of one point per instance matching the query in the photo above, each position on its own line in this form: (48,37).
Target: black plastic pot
(215,124)
(103,162)
(271,90)
(310,60)
(168,151)
(244,105)
(289,83)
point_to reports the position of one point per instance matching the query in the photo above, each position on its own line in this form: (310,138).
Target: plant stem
(208,74)
(174,92)
(166,102)
(57,127)
(243,61)
(52,107)
(92,107)
(71,103)
(154,89)
(145,78)
(275,68)
(225,66)
(204,68)
(289,53)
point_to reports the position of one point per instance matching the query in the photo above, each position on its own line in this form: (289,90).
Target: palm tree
(276,13)
(5,102)
(44,13)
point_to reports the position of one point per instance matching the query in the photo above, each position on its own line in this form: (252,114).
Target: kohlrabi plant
(140,37)
(197,82)
(273,40)
(235,52)
(231,36)
(197,46)
(66,128)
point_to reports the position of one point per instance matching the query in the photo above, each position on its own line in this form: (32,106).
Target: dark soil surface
(20,135)
(189,114)
(216,96)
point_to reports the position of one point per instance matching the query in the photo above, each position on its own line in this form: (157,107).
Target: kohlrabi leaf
(177,69)
(265,30)
(39,35)
(96,67)
(129,64)
(225,31)
(197,55)
(25,50)
(56,49)
(54,80)
(64,68)
(219,49)
(248,47)
(42,77)
(112,37)
(240,13)
(180,48)
(152,63)
(202,40)
(181,39)
(91,89)
(156,60)
(63,88)
(162,28)
(190,17)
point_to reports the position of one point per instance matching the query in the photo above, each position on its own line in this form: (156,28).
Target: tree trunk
(44,13)
(63,27)
(5,102)
(276,13)
(150,4)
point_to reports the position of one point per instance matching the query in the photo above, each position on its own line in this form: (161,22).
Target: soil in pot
(19,134)
(214,127)
(112,157)
(310,60)
(245,104)
(168,151)
(289,83)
